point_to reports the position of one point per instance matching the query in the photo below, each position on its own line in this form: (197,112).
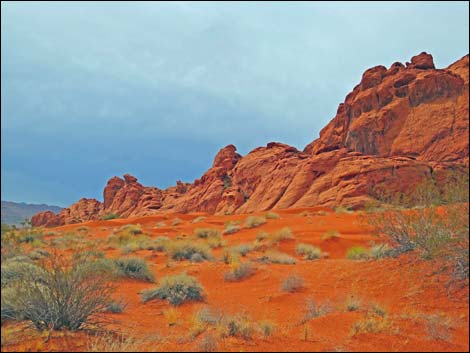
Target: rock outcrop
(396,127)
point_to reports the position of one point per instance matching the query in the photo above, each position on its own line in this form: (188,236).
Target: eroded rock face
(396,127)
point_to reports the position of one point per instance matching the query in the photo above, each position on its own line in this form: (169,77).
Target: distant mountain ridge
(16,212)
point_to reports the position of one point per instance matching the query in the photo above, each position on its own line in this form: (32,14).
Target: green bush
(357,253)
(110,216)
(176,289)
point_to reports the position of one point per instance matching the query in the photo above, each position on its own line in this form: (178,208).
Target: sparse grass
(229,256)
(353,304)
(330,235)
(262,235)
(271,215)
(371,324)
(266,328)
(357,253)
(133,267)
(343,210)
(133,229)
(438,327)
(240,326)
(176,222)
(215,241)
(379,251)
(112,342)
(198,219)
(206,233)
(309,252)
(277,257)
(313,310)
(292,283)
(184,250)
(254,221)
(239,271)
(176,289)
(160,243)
(280,235)
(231,229)
(242,249)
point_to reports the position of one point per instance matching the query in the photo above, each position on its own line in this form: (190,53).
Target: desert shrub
(29,236)
(229,256)
(176,222)
(357,253)
(262,235)
(110,216)
(231,229)
(208,343)
(343,210)
(280,235)
(14,268)
(292,283)
(160,243)
(184,250)
(133,267)
(206,233)
(277,257)
(254,221)
(242,249)
(309,252)
(240,326)
(271,215)
(353,304)
(266,328)
(371,324)
(116,307)
(69,294)
(198,219)
(378,310)
(133,229)
(38,254)
(176,289)
(215,241)
(439,233)
(196,258)
(379,251)
(313,310)
(238,271)
(330,234)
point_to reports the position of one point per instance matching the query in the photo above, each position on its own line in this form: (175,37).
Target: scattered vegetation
(185,249)
(313,310)
(206,233)
(133,267)
(176,289)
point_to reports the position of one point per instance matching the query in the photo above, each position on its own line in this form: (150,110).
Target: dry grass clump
(176,289)
(313,310)
(280,235)
(271,215)
(206,233)
(330,235)
(277,257)
(231,229)
(254,221)
(292,283)
(371,324)
(133,267)
(238,271)
(185,249)
(309,252)
(198,219)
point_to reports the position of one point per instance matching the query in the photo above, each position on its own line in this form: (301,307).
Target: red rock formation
(397,126)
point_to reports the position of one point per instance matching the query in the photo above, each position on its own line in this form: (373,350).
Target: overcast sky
(92,90)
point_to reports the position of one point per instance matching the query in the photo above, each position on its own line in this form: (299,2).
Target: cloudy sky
(92,90)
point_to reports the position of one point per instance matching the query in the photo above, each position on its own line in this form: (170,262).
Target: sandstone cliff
(396,127)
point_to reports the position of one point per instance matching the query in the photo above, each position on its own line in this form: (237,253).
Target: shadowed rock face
(396,127)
